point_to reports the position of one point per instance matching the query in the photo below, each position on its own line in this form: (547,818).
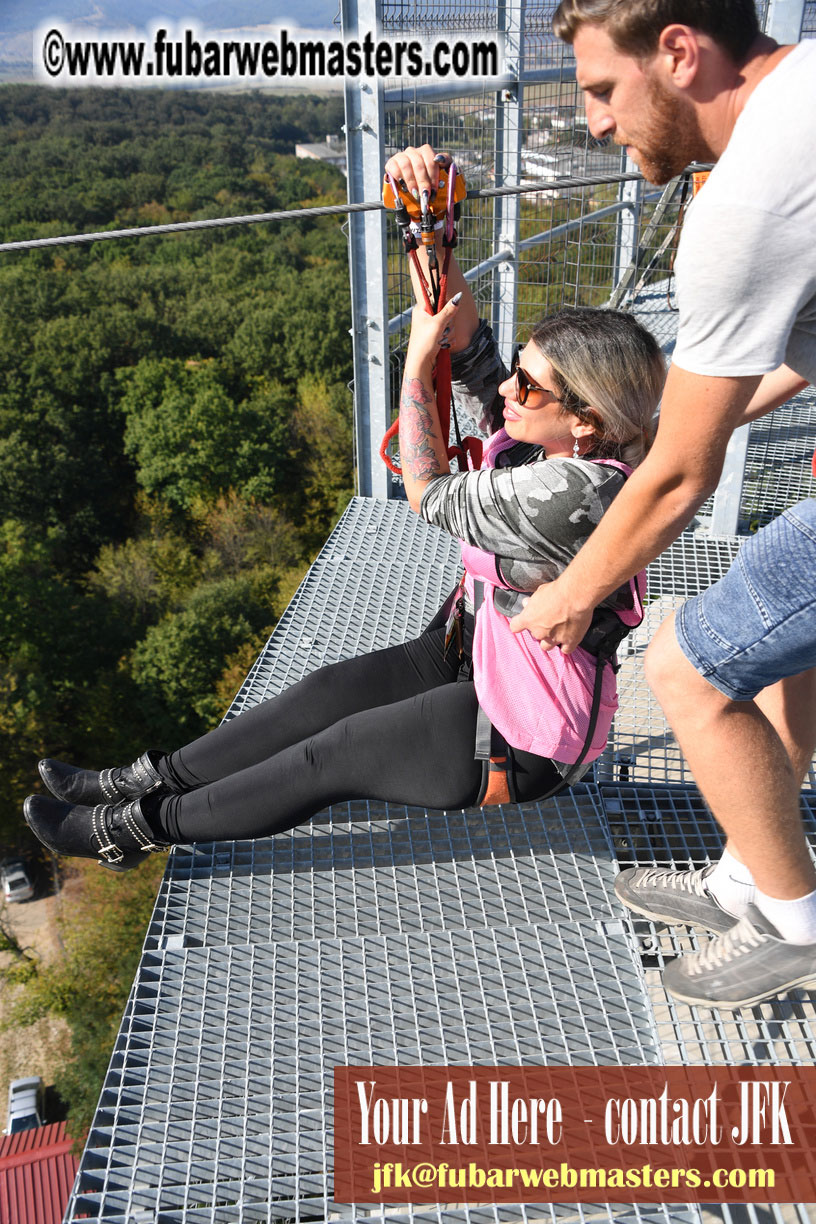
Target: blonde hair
(608,370)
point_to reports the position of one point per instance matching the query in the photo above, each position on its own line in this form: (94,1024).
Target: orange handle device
(449,194)
(394,196)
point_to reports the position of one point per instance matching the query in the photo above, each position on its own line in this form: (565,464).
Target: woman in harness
(401,724)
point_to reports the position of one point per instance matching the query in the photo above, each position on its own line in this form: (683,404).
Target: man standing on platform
(677,81)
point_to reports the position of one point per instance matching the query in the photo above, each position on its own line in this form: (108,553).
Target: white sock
(794,920)
(732,885)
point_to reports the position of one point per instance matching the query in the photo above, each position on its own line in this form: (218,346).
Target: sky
(20,18)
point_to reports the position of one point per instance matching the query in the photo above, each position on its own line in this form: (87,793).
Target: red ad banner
(575,1134)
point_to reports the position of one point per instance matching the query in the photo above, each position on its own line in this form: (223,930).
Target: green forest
(175,443)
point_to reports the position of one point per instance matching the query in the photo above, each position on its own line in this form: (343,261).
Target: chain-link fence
(571,245)
(609,243)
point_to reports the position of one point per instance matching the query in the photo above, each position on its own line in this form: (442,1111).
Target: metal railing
(586,249)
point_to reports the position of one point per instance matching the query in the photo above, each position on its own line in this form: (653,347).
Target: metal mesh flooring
(642,746)
(386,934)
(778,464)
(381,869)
(378,580)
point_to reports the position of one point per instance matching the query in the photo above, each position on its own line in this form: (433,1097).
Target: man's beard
(672,139)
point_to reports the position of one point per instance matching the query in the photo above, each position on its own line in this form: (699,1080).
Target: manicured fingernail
(415,192)
(456,298)
(444,344)
(441,159)
(403,184)
(426,199)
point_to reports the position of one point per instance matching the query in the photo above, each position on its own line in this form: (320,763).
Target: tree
(174,442)
(190,438)
(179,660)
(322,442)
(58,647)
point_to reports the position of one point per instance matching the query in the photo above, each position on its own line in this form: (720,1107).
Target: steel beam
(509,102)
(726,511)
(630,195)
(784,20)
(367,262)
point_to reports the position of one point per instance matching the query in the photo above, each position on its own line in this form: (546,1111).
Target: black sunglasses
(524,385)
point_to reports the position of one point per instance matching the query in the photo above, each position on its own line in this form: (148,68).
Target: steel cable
(560,183)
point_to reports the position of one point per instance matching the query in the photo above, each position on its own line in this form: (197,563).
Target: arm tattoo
(417,430)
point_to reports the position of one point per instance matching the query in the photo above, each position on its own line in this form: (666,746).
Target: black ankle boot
(110,786)
(118,836)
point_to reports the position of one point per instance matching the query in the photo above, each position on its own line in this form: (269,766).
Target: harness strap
(602,639)
(497,787)
(495,790)
(484,737)
(568,778)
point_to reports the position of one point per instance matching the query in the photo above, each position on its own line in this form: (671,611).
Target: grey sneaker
(673,896)
(747,964)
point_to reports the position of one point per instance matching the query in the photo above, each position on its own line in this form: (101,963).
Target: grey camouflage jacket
(531,512)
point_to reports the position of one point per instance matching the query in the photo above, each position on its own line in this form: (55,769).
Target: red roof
(37,1171)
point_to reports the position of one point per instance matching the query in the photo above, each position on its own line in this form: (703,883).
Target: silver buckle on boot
(107,850)
(146,774)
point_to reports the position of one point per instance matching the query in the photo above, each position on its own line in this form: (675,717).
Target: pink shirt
(539,700)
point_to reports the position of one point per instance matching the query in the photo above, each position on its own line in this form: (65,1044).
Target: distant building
(536,164)
(333,151)
(566,117)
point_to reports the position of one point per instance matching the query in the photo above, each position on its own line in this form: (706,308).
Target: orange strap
(497,789)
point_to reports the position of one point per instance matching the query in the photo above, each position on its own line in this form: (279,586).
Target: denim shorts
(758,623)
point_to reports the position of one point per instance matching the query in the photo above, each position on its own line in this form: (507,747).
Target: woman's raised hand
(418,169)
(430,333)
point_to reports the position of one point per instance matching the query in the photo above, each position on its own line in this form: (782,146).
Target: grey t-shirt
(746,265)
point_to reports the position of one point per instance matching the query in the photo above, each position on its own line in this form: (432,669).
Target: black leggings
(396,725)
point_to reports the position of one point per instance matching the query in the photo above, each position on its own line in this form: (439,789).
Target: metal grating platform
(651,308)
(642,746)
(778,469)
(381,869)
(665,825)
(381,933)
(223,1100)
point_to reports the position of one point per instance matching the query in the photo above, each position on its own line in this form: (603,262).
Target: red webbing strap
(391,432)
(412,255)
(471,447)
